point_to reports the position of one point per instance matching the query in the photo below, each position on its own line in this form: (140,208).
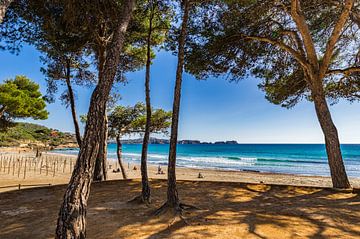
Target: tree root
(188,207)
(140,200)
(177,211)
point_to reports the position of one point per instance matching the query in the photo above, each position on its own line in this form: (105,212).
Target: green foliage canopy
(124,120)
(263,39)
(21,98)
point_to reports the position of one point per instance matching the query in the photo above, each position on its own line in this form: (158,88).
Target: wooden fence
(21,165)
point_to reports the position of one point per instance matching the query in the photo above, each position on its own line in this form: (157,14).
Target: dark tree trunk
(100,171)
(172,193)
(101,159)
(119,153)
(104,158)
(4,4)
(337,168)
(72,103)
(146,192)
(2,111)
(72,216)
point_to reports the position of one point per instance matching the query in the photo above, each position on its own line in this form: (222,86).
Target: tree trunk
(2,111)
(337,168)
(4,4)
(105,145)
(100,171)
(101,159)
(72,103)
(119,152)
(72,216)
(146,192)
(172,194)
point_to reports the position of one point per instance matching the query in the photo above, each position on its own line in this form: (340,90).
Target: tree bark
(172,193)
(146,192)
(72,103)
(105,144)
(100,171)
(2,111)
(119,153)
(72,216)
(4,4)
(337,168)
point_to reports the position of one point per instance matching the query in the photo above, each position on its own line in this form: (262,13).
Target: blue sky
(210,110)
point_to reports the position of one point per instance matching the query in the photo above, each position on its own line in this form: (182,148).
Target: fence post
(41,165)
(37,161)
(64,166)
(46,165)
(25,168)
(11,157)
(4,164)
(14,163)
(20,165)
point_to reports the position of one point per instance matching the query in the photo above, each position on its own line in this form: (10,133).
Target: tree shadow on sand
(228,210)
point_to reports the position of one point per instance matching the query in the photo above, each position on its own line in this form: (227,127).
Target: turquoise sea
(305,159)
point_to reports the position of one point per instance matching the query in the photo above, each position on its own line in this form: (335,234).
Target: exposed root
(176,211)
(140,200)
(188,207)
(178,216)
(164,208)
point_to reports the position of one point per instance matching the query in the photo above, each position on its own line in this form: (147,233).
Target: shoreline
(183,173)
(222,170)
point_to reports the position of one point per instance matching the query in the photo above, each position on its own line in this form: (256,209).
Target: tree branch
(291,51)
(4,4)
(2,110)
(303,28)
(346,71)
(294,35)
(330,46)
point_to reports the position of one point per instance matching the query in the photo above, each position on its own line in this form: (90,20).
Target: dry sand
(228,210)
(62,176)
(238,207)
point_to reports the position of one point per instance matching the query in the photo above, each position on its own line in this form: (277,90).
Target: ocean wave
(210,160)
(291,161)
(242,158)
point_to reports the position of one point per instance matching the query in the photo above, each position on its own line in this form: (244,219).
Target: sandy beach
(13,176)
(256,205)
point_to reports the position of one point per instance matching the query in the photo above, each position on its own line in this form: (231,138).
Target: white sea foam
(192,161)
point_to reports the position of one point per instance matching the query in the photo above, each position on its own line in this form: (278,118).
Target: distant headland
(166,141)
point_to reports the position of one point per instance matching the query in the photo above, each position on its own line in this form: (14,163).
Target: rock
(189,142)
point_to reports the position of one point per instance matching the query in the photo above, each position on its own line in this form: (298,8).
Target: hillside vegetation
(18,134)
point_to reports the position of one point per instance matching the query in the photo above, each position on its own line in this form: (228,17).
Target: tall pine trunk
(104,158)
(146,192)
(119,156)
(72,103)
(337,168)
(101,159)
(100,171)
(71,221)
(4,4)
(172,193)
